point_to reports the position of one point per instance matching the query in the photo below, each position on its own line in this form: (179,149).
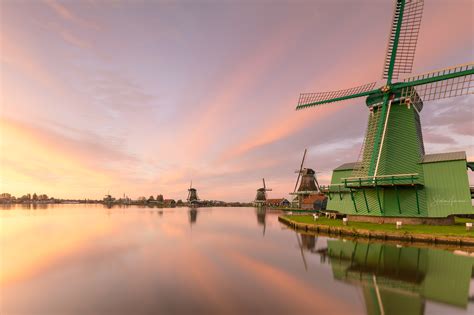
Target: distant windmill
(394,177)
(192,195)
(308,184)
(261,197)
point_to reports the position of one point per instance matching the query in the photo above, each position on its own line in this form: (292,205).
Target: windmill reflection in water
(395,279)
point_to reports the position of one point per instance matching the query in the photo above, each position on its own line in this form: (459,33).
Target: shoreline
(381,235)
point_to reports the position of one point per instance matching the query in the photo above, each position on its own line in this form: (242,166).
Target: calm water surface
(87,259)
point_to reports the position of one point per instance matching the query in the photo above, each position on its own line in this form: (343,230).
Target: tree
(35,196)
(151,199)
(179,203)
(5,196)
(159,198)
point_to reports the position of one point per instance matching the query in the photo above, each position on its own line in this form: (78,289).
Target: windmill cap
(398,95)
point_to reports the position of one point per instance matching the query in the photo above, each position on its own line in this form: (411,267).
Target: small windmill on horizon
(393,176)
(261,197)
(192,195)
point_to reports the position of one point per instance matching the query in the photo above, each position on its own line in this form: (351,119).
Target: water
(87,259)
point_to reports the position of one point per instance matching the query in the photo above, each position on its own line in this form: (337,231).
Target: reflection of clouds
(172,230)
(207,285)
(282,283)
(62,245)
(89,261)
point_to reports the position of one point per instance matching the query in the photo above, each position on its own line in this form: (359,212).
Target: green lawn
(458,229)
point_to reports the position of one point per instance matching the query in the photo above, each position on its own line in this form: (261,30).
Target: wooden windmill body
(261,197)
(192,198)
(393,176)
(307,191)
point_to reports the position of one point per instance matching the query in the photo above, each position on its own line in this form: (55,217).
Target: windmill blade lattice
(453,87)
(313,99)
(408,37)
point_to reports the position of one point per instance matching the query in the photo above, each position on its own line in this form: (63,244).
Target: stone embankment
(403,236)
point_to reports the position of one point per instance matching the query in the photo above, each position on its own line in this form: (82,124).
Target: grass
(292,209)
(458,229)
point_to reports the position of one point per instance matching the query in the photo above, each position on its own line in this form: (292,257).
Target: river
(89,259)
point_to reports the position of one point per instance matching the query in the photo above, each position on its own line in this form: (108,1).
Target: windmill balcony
(334,188)
(382,181)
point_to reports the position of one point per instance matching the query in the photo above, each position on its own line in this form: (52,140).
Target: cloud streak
(68,15)
(141,98)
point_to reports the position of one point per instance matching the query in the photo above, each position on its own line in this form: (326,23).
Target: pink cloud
(68,15)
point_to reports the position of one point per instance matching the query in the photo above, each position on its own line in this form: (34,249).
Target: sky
(141,97)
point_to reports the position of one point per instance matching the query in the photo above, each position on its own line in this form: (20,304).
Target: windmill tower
(261,197)
(308,187)
(393,176)
(192,195)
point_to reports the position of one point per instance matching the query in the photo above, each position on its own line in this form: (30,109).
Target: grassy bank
(452,234)
(293,209)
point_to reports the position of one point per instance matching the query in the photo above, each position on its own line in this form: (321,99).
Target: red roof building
(314,202)
(278,202)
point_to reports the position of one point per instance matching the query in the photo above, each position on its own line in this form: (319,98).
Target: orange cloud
(31,255)
(35,163)
(245,76)
(457,30)
(22,58)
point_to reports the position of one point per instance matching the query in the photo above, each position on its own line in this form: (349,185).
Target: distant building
(108,199)
(279,202)
(5,196)
(169,203)
(314,202)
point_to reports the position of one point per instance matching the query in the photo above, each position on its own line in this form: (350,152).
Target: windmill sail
(313,99)
(460,83)
(299,172)
(400,54)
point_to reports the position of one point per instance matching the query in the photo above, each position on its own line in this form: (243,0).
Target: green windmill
(393,176)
